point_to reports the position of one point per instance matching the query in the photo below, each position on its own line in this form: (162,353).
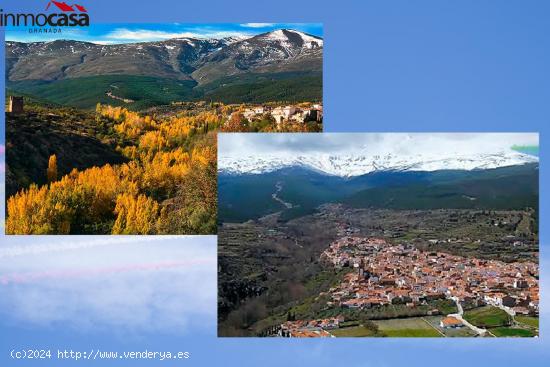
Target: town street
(459,317)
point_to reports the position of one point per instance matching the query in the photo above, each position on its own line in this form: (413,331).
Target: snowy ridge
(286,36)
(279,44)
(202,59)
(357,165)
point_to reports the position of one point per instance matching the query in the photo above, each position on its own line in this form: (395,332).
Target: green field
(353,331)
(445,306)
(411,327)
(487,317)
(508,332)
(528,320)
(412,333)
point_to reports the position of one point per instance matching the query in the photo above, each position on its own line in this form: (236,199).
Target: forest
(141,173)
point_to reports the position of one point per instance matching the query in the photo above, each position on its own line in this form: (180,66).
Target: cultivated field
(410,327)
(511,332)
(487,317)
(353,331)
(528,321)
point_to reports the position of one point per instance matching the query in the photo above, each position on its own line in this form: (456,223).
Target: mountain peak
(293,37)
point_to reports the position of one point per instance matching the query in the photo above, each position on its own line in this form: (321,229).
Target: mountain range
(351,165)
(194,67)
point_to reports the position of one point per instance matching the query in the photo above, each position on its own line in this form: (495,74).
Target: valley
(270,287)
(510,187)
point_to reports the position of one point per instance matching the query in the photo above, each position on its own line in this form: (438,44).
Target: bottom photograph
(378,235)
(100,297)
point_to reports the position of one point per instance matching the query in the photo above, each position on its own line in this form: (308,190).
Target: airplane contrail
(28,277)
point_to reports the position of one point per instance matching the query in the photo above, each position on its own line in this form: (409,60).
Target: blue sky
(115,293)
(399,65)
(143,32)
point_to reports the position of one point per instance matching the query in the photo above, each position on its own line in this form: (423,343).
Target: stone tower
(15,105)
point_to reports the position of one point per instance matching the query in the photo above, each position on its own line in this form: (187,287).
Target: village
(246,117)
(390,274)
(385,273)
(289,113)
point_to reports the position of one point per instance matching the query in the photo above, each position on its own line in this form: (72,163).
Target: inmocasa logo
(61,15)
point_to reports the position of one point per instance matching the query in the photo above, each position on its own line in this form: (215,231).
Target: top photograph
(112,130)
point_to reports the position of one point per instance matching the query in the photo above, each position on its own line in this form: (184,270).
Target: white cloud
(144,35)
(257,25)
(165,284)
(102,42)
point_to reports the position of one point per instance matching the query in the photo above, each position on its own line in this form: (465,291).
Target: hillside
(112,171)
(503,188)
(79,139)
(302,188)
(86,92)
(146,91)
(514,187)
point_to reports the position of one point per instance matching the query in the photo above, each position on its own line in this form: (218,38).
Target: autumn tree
(236,123)
(51,172)
(136,215)
(33,212)
(194,208)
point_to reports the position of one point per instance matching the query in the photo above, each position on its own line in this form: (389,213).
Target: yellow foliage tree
(135,215)
(168,186)
(32,212)
(51,172)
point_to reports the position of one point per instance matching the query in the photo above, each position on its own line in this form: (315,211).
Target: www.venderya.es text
(95,354)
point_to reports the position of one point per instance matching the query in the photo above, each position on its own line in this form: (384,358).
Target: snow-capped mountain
(279,50)
(203,60)
(291,38)
(357,165)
